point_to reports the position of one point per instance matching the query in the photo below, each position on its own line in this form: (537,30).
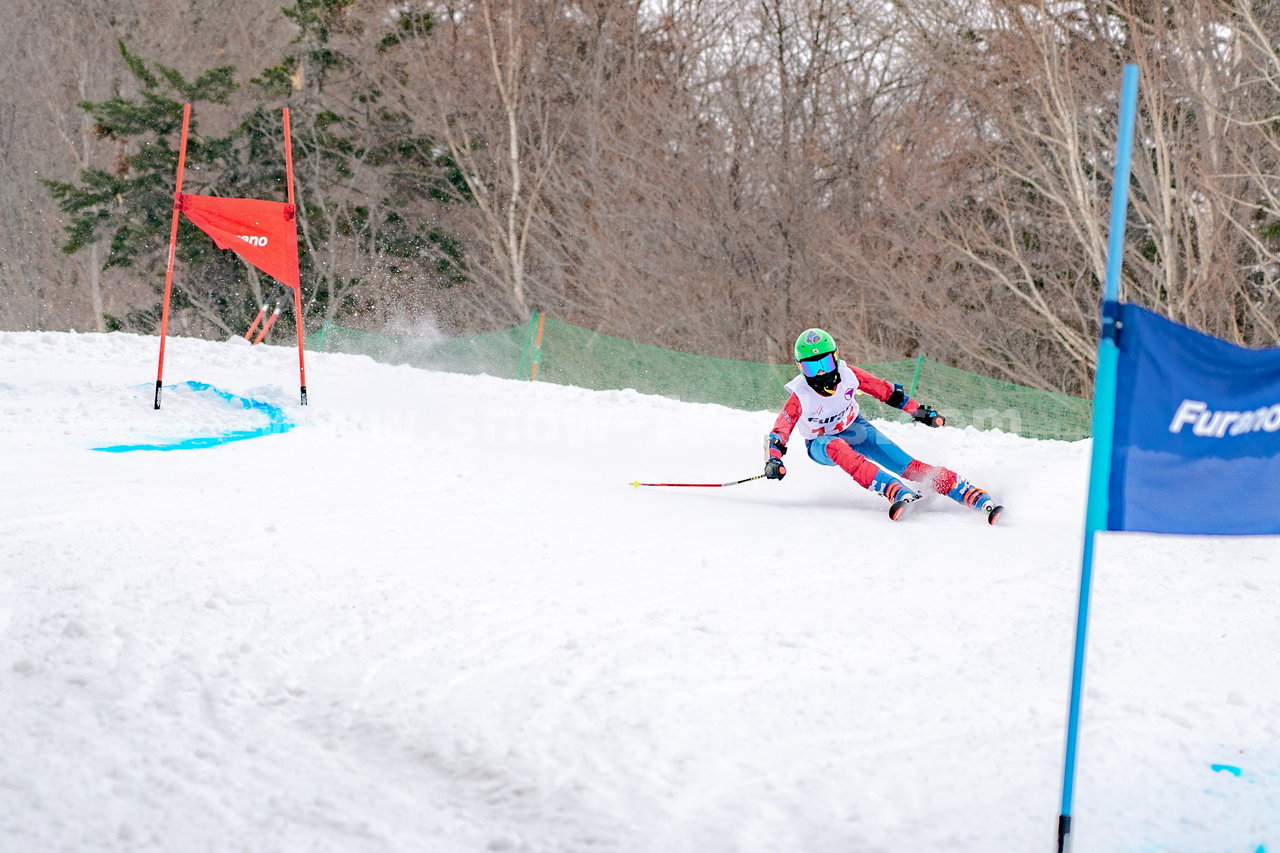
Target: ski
(898,507)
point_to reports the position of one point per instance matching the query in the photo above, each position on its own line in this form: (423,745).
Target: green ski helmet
(814,342)
(818,360)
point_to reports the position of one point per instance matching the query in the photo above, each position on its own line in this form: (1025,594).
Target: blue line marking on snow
(277,422)
(1234,771)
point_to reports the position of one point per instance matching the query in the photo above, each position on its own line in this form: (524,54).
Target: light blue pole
(1104,413)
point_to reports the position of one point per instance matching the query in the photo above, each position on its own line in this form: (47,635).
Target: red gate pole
(248,336)
(271,321)
(173,242)
(302,367)
(297,291)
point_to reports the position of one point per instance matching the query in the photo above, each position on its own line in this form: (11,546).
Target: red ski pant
(861,448)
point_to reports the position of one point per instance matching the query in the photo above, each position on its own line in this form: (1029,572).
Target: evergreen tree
(369,187)
(368,190)
(131,205)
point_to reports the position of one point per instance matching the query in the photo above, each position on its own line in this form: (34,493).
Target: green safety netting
(554,351)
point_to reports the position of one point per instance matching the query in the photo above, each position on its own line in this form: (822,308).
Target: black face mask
(824,383)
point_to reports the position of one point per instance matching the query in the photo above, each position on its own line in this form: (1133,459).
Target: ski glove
(897,398)
(773,468)
(929,416)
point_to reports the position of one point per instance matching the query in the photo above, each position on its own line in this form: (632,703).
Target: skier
(822,404)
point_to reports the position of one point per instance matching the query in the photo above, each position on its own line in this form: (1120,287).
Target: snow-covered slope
(435,616)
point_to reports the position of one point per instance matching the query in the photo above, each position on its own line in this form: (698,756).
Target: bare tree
(711,176)
(1236,68)
(482,78)
(1020,114)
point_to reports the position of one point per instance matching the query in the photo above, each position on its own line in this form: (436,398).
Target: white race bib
(821,415)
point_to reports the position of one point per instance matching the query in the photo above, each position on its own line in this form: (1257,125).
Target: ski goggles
(818,365)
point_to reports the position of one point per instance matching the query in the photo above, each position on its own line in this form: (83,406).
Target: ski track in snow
(435,616)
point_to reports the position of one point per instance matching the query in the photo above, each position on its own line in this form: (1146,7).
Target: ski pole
(702,485)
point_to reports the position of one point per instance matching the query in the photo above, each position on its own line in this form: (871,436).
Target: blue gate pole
(1104,412)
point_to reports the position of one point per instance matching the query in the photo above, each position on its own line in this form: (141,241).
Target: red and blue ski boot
(969,495)
(898,495)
